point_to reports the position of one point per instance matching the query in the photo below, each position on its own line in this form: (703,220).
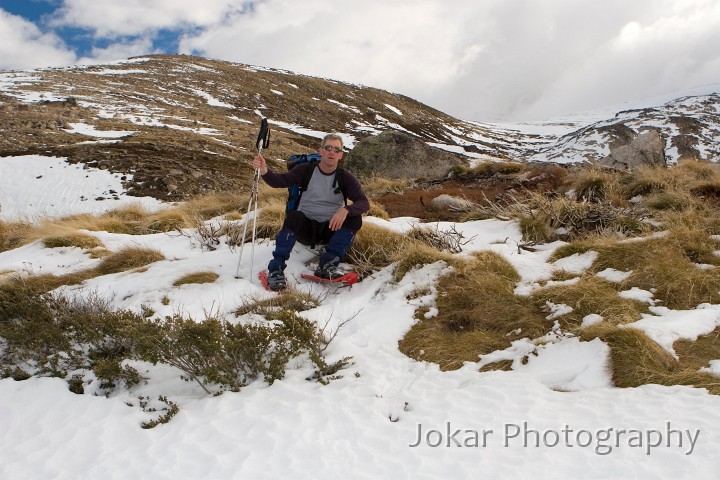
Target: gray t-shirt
(320,202)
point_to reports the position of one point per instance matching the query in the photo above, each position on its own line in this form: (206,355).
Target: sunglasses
(328,148)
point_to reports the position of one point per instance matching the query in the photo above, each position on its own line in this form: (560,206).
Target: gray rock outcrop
(398,155)
(648,148)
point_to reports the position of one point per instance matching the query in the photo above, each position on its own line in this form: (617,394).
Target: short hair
(332,136)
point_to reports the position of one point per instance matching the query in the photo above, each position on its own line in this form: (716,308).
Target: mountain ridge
(191,122)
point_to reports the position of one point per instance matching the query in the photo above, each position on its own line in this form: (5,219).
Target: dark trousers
(297,227)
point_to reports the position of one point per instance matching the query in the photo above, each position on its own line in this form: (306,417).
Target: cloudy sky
(483,60)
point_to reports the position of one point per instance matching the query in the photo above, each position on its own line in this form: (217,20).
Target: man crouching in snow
(322,215)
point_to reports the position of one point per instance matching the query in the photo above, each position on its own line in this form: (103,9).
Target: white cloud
(113,18)
(119,51)
(486,60)
(24,46)
(404,46)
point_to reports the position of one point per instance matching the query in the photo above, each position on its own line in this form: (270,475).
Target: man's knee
(353,223)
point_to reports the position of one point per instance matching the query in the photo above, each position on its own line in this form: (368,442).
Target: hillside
(180,126)
(564,322)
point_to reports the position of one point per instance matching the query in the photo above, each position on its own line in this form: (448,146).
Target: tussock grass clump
(128,213)
(375,186)
(478,313)
(377,210)
(699,170)
(707,189)
(677,201)
(591,295)
(504,168)
(536,228)
(431,341)
(197,277)
(542,217)
(127,259)
(665,265)
(417,255)
(595,185)
(648,179)
(376,247)
(74,239)
(167,221)
(476,298)
(270,220)
(59,235)
(210,206)
(292,300)
(117,221)
(14,235)
(678,285)
(698,354)
(637,360)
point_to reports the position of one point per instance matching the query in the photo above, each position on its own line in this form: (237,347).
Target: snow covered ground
(32,186)
(558,416)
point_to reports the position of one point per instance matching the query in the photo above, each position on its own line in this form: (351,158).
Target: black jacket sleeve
(354,192)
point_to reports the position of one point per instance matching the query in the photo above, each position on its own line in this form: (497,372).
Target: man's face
(329,158)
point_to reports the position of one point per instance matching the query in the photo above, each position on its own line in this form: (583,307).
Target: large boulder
(648,148)
(398,155)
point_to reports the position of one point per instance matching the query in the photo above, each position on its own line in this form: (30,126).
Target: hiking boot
(329,271)
(276,281)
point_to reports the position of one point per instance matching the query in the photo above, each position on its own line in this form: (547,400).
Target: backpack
(295,191)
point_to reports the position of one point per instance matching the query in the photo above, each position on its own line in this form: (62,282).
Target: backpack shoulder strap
(339,183)
(308,175)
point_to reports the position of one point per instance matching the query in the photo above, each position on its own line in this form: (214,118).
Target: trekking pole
(263,141)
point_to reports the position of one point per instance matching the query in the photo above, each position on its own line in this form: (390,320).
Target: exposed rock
(395,154)
(450,203)
(648,148)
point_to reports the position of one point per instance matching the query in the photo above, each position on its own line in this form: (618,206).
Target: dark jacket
(353,190)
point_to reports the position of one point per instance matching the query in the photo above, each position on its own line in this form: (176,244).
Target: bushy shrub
(45,335)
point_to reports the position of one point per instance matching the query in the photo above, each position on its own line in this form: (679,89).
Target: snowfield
(389,416)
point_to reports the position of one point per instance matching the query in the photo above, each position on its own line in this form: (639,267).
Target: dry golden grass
(210,206)
(430,340)
(596,185)
(636,360)
(667,265)
(72,239)
(478,313)
(699,170)
(377,210)
(197,277)
(417,255)
(375,186)
(167,221)
(291,300)
(591,295)
(128,258)
(14,235)
(698,354)
(376,247)
(270,219)
(648,179)
(504,168)
(55,235)
(104,223)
